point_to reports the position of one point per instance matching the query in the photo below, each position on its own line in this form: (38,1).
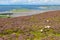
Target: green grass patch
(4,16)
(20,10)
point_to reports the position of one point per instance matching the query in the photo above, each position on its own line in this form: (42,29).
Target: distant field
(4,16)
(20,10)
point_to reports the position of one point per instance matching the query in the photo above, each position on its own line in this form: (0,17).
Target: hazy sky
(32,2)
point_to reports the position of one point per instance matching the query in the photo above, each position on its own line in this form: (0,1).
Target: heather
(44,26)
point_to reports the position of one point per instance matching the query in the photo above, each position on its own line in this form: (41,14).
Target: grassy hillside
(4,16)
(44,26)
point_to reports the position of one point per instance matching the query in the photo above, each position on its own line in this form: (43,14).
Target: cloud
(18,2)
(42,2)
(7,1)
(13,1)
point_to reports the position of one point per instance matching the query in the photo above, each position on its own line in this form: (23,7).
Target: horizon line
(27,5)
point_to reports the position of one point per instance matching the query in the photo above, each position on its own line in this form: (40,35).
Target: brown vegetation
(21,27)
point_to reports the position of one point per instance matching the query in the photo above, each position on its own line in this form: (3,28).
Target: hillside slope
(44,26)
